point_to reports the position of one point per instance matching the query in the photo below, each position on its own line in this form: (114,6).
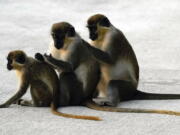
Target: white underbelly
(61,54)
(82,75)
(122,70)
(119,71)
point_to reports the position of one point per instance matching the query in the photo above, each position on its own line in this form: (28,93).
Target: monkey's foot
(23,102)
(18,101)
(103,102)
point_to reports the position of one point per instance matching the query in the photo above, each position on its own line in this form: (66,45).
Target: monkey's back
(40,71)
(126,65)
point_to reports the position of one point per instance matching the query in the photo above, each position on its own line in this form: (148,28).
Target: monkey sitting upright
(119,66)
(43,83)
(78,71)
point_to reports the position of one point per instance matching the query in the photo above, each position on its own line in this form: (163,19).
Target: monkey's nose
(9,67)
(93,36)
(59,44)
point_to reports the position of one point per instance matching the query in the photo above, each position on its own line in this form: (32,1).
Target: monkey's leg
(41,94)
(70,89)
(112,98)
(22,90)
(70,94)
(118,90)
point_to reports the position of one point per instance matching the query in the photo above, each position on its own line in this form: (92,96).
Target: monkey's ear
(104,22)
(21,59)
(71,32)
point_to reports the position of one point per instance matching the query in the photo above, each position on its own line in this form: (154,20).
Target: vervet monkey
(118,63)
(42,80)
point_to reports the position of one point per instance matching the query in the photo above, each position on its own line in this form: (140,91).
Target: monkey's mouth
(93,36)
(9,67)
(59,44)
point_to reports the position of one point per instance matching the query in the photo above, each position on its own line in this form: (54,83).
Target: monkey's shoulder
(35,66)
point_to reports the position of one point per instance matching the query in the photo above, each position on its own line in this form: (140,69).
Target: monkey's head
(16,60)
(60,32)
(98,25)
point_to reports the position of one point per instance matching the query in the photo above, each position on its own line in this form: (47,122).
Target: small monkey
(42,80)
(118,63)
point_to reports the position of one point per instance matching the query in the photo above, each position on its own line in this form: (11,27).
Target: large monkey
(119,66)
(78,71)
(72,56)
(43,82)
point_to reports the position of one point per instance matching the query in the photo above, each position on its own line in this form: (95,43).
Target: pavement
(152,28)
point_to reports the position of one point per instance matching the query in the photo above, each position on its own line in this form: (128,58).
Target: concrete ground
(153,29)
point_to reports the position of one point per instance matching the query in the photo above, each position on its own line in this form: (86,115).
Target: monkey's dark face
(9,66)
(15,59)
(93,35)
(58,38)
(94,23)
(60,31)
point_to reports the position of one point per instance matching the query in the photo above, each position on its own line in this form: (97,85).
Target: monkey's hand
(58,64)
(4,106)
(47,57)
(39,57)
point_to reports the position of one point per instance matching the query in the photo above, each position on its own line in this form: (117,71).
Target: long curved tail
(92,105)
(54,111)
(152,96)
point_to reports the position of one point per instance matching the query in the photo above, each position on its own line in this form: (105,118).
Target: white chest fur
(82,74)
(19,76)
(60,54)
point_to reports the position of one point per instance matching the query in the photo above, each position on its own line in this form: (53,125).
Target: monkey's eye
(8,58)
(53,35)
(92,27)
(20,59)
(61,36)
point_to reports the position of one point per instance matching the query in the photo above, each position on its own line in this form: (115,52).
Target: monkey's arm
(101,56)
(22,90)
(58,64)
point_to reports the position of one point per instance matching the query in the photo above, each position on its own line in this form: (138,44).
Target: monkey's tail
(54,111)
(152,96)
(92,105)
